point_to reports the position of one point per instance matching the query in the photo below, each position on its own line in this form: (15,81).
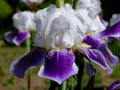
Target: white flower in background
(24,23)
(24,20)
(87,4)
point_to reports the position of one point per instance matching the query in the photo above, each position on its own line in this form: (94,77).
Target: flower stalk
(28,48)
(75,2)
(63,86)
(80,63)
(58,3)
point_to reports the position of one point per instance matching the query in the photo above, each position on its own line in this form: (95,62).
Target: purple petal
(114,86)
(59,66)
(29,60)
(90,71)
(20,37)
(113,31)
(9,36)
(97,57)
(112,59)
(91,41)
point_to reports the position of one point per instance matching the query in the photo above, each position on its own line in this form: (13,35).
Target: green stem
(80,63)
(53,85)
(28,47)
(75,2)
(72,83)
(58,3)
(63,86)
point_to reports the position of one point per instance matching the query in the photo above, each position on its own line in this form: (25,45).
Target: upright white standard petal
(57,27)
(90,20)
(87,4)
(24,20)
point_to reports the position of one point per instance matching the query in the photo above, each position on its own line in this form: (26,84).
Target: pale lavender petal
(114,86)
(97,57)
(31,59)
(20,37)
(112,59)
(113,31)
(59,66)
(9,36)
(91,41)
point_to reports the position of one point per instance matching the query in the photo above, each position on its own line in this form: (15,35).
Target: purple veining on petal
(20,37)
(91,41)
(97,57)
(59,66)
(113,31)
(112,59)
(31,59)
(114,86)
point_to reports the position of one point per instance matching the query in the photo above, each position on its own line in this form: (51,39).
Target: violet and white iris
(23,22)
(53,35)
(59,33)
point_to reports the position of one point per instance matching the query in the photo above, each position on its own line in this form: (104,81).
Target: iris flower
(59,33)
(23,22)
(53,42)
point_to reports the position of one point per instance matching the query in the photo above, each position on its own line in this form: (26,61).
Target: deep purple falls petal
(31,59)
(59,66)
(9,36)
(114,86)
(112,59)
(20,37)
(97,57)
(91,41)
(113,31)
